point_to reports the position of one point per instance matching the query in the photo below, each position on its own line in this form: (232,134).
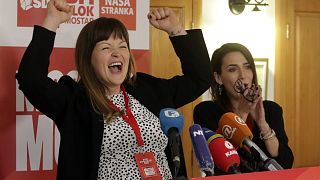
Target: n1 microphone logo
(239,120)
(198,133)
(228,131)
(171,113)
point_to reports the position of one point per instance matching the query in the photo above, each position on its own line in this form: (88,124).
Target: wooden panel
(308,88)
(285,75)
(296,76)
(307,5)
(165,63)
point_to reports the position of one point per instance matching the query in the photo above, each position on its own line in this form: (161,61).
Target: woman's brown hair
(95,31)
(216,62)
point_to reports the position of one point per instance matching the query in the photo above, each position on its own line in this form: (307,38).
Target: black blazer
(68,105)
(208,113)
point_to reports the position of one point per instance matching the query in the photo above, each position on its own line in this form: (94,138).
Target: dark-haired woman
(235,89)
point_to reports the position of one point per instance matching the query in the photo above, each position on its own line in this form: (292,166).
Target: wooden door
(165,63)
(297,86)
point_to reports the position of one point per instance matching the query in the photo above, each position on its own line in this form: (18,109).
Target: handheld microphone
(237,132)
(223,153)
(171,124)
(201,150)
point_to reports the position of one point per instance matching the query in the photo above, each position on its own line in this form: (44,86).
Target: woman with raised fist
(109,117)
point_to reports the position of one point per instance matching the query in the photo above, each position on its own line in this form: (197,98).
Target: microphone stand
(269,164)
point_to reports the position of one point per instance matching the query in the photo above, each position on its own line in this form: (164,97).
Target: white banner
(18,17)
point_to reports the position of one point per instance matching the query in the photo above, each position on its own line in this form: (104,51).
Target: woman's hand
(272,143)
(165,19)
(259,117)
(58,11)
(258,113)
(248,101)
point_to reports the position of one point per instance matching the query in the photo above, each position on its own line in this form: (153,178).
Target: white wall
(255,30)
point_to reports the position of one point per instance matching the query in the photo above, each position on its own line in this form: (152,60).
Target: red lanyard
(129,118)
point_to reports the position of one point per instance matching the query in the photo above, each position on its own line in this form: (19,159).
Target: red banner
(29,140)
(309,173)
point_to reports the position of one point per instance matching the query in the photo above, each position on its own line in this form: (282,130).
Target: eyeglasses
(249,93)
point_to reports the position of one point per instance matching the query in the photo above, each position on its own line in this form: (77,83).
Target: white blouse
(119,143)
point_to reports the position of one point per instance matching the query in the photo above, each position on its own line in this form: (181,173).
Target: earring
(220,89)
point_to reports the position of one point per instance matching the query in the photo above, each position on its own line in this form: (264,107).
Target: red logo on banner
(31,12)
(124,10)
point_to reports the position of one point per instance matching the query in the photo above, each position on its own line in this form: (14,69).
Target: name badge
(147,166)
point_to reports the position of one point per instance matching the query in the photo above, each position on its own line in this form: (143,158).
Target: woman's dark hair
(95,31)
(216,64)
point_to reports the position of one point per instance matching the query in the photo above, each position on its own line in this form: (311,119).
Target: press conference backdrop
(29,141)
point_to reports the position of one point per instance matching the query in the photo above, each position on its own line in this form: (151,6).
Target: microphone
(223,153)
(238,133)
(171,124)
(201,150)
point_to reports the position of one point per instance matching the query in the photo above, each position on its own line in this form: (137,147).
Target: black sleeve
(207,114)
(46,95)
(275,120)
(195,63)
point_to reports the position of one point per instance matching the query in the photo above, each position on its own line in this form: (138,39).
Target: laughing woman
(109,117)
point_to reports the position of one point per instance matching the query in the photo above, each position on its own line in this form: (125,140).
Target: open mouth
(115,67)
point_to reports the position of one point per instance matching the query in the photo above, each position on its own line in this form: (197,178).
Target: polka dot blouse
(119,143)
